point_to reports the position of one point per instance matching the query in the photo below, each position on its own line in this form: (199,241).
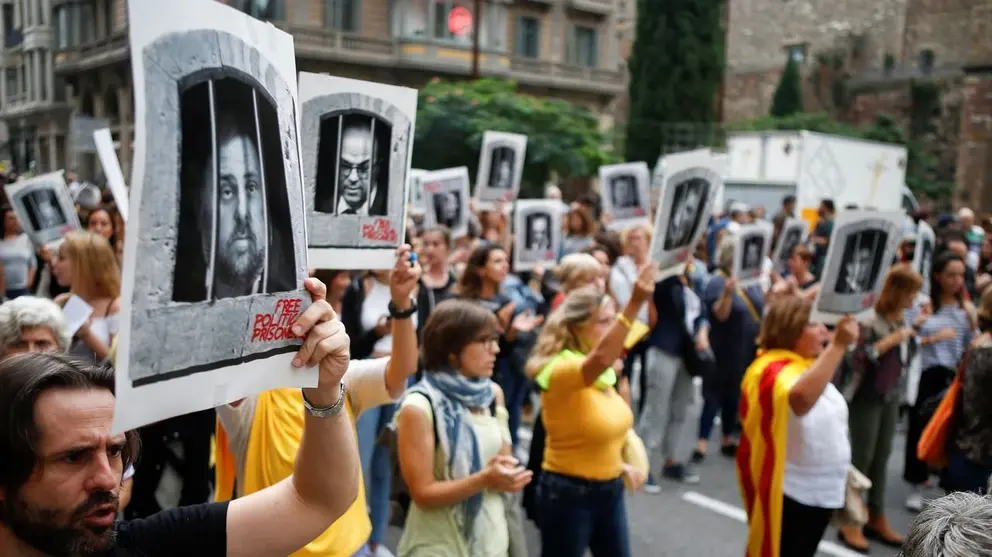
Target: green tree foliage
(922,169)
(788,97)
(675,67)
(562,138)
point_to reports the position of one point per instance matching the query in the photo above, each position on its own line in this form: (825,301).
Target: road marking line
(734,512)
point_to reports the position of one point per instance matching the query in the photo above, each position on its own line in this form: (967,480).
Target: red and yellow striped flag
(764,415)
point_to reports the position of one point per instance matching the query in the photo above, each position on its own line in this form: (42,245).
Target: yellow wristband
(624,321)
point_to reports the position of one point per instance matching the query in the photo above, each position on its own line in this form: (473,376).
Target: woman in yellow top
(795,452)
(580,500)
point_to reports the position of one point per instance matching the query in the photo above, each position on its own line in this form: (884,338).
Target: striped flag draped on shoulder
(764,416)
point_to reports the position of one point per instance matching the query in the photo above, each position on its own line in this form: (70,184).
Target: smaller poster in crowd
(625,193)
(44,207)
(538,233)
(862,249)
(794,233)
(416,189)
(446,195)
(501,167)
(112,169)
(690,184)
(357,141)
(750,253)
(926,245)
(216,252)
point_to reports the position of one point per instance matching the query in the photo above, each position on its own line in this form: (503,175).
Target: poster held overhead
(216,253)
(537,223)
(926,245)
(112,169)
(753,242)
(416,189)
(358,140)
(44,207)
(626,193)
(446,198)
(862,248)
(794,233)
(501,167)
(690,185)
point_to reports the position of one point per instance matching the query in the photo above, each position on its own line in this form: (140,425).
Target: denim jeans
(576,514)
(377,467)
(965,475)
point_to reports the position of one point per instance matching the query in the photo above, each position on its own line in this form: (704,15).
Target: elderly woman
(956,525)
(794,454)
(30,324)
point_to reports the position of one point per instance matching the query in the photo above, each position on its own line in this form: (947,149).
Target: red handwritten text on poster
(274,326)
(381,230)
(433,187)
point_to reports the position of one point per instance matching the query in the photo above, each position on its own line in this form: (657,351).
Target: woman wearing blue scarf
(453,441)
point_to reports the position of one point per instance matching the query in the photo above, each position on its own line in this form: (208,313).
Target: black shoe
(698,456)
(729,450)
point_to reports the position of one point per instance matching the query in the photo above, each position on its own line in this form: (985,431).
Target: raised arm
(403,361)
(811,384)
(610,345)
(283,518)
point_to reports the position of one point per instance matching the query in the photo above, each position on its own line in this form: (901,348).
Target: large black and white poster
(926,244)
(501,166)
(446,199)
(625,191)
(690,185)
(794,233)
(215,255)
(753,245)
(44,207)
(862,248)
(416,191)
(537,223)
(357,142)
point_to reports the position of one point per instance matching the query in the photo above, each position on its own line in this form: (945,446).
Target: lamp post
(476,26)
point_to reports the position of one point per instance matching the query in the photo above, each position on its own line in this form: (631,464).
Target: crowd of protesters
(452,355)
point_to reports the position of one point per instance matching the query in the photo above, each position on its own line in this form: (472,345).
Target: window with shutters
(528,34)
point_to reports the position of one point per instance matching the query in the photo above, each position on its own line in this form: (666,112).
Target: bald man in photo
(358,190)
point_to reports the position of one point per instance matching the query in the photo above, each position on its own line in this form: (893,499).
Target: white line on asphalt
(736,513)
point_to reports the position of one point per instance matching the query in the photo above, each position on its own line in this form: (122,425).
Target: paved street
(707,520)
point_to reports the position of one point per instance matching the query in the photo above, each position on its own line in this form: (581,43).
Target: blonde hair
(575,267)
(639,227)
(95,271)
(725,252)
(559,329)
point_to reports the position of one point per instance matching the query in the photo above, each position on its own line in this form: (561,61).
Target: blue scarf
(453,396)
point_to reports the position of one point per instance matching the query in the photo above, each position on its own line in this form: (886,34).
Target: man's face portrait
(685,216)
(859,270)
(355,168)
(241,237)
(751,255)
(504,174)
(48,215)
(449,207)
(539,233)
(621,192)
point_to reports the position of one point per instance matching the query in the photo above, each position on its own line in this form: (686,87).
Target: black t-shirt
(199,530)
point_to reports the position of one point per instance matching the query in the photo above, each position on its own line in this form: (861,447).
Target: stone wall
(973,186)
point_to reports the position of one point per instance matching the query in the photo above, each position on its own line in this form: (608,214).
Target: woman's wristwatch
(401,314)
(326,411)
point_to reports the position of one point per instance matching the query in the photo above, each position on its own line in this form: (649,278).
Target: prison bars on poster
(213,193)
(264,192)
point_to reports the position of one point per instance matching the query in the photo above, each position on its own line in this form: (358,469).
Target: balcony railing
(320,43)
(93,54)
(905,72)
(594,6)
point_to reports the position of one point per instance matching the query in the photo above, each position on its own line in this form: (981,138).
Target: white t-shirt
(365,382)
(818,453)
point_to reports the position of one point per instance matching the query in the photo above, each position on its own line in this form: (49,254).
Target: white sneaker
(915,501)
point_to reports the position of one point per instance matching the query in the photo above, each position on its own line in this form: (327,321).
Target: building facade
(883,54)
(75,68)
(33,104)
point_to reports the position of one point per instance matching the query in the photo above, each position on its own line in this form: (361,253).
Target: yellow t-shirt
(586,425)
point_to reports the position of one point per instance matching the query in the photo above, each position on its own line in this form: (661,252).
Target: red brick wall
(973,186)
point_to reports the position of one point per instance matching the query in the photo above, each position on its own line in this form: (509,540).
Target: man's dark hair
(828,204)
(788,199)
(23,379)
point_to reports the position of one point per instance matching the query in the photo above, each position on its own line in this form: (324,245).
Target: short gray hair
(29,311)
(957,525)
(725,252)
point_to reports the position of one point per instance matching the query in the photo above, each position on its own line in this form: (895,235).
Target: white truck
(766,166)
